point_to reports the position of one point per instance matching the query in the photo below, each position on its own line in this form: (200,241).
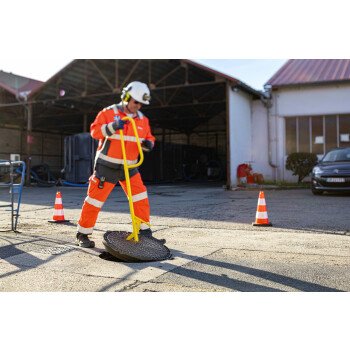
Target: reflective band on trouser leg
(85,230)
(139,197)
(93,204)
(144,226)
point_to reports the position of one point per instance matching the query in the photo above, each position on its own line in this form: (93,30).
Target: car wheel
(316,192)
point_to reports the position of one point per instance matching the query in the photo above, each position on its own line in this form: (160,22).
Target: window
(291,135)
(337,155)
(317,135)
(344,131)
(331,132)
(304,134)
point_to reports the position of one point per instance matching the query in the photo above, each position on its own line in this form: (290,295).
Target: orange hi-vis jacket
(109,151)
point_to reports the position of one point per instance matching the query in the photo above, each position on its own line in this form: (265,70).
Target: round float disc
(146,249)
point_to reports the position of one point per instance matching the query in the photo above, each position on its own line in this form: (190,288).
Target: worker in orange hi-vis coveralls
(109,167)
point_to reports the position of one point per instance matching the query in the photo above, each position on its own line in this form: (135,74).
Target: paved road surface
(209,231)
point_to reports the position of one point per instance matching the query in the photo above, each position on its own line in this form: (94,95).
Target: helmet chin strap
(127,109)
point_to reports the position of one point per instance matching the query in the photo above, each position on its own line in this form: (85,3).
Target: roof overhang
(184,93)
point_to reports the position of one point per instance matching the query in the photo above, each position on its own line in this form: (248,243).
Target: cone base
(58,221)
(269,224)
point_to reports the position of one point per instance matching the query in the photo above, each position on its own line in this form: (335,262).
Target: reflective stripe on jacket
(109,150)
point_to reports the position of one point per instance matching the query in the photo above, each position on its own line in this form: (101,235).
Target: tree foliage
(301,163)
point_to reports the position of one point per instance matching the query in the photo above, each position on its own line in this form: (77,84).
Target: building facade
(308,110)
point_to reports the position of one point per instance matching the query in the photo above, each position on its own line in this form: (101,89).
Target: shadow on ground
(216,279)
(295,209)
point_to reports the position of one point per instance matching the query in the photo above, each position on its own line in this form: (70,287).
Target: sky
(253,72)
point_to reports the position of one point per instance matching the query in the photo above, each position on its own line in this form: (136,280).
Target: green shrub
(301,164)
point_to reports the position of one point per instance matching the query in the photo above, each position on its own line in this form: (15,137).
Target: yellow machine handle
(136,222)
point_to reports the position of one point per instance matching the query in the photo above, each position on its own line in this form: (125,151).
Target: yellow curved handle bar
(130,166)
(136,222)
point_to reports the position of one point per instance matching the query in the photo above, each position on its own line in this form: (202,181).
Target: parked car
(332,173)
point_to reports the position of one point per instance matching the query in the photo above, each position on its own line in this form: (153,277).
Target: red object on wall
(250,179)
(243,170)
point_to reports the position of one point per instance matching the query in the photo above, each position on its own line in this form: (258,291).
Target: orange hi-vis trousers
(96,197)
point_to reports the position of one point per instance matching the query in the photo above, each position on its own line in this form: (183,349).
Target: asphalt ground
(208,230)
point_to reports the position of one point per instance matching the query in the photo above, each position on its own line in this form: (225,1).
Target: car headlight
(317,171)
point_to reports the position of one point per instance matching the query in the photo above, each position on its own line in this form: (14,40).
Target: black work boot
(84,241)
(148,233)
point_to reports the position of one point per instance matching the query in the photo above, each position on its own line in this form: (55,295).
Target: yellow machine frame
(136,222)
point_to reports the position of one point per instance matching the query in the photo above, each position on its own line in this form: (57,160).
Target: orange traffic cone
(58,215)
(261,218)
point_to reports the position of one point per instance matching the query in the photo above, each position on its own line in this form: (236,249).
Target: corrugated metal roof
(184,94)
(311,71)
(233,80)
(16,84)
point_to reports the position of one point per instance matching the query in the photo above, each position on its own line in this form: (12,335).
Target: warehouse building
(203,120)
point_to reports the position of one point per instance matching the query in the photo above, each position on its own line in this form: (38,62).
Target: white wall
(316,100)
(240,131)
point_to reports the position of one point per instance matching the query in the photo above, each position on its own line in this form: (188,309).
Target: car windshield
(337,155)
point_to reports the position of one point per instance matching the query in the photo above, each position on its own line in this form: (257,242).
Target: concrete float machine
(126,246)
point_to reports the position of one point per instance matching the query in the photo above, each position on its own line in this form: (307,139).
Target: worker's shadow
(198,270)
(231,283)
(222,280)
(11,250)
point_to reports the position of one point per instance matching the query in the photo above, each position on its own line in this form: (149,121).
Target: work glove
(147,145)
(118,123)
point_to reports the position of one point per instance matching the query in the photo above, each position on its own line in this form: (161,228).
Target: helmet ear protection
(125,96)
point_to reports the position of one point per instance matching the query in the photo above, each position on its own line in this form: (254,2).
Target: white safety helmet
(138,91)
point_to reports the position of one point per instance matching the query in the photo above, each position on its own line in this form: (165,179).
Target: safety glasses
(137,103)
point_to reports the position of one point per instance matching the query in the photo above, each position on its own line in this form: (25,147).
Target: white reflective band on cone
(58,212)
(139,197)
(94,202)
(144,226)
(85,230)
(261,201)
(261,215)
(58,201)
